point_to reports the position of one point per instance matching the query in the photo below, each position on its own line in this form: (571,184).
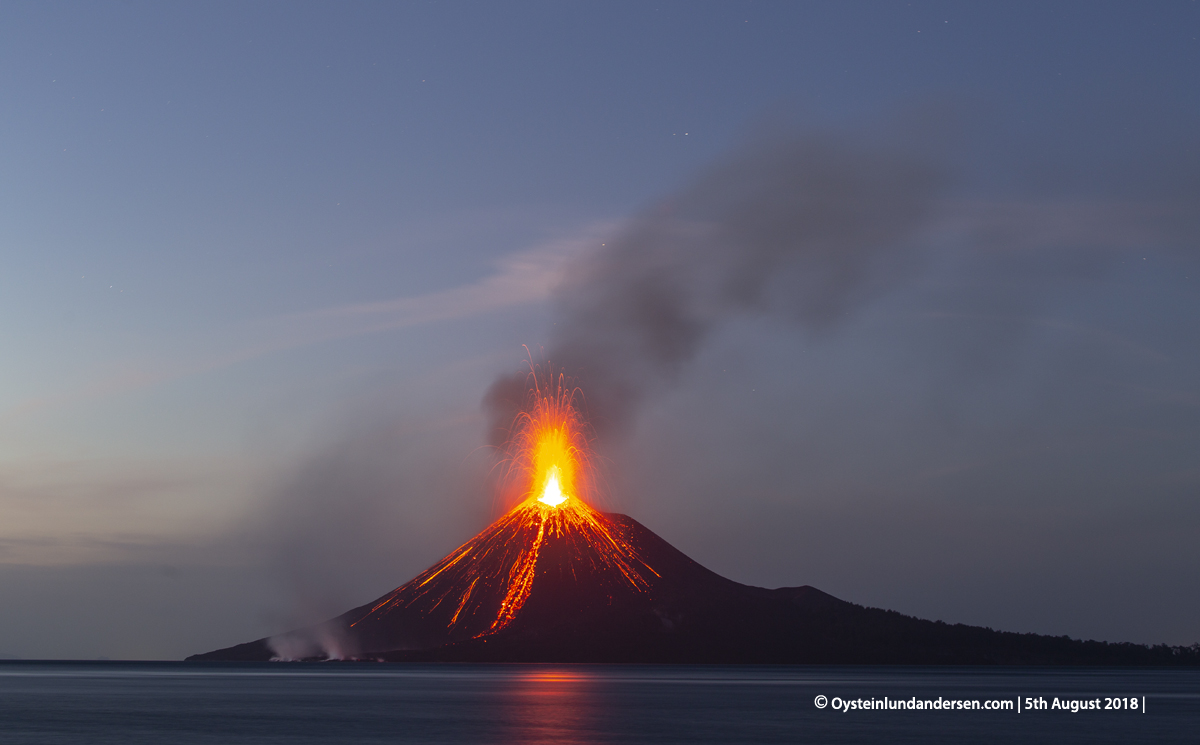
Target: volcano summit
(554,580)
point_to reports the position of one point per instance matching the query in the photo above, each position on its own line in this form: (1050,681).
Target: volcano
(533,588)
(555,580)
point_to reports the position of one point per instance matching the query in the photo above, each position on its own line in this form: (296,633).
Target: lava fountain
(481,587)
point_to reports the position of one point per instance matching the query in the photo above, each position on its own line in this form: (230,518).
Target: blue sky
(261,261)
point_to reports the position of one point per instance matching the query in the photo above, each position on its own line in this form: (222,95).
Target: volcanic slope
(550,584)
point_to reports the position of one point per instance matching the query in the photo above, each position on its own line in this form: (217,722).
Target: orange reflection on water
(554,704)
(555,676)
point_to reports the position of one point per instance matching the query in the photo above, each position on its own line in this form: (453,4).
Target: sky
(898,300)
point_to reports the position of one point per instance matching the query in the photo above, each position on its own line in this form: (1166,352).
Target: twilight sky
(928,338)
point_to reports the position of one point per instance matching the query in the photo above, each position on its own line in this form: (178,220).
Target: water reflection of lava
(553,705)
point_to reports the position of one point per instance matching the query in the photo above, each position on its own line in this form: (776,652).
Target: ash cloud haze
(808,225)
(813,227)
(364,513)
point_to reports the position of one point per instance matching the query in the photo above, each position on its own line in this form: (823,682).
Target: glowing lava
(552,493)
(481,586)
(549,450)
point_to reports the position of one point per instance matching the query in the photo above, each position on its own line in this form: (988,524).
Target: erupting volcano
(555,580)
(482,587)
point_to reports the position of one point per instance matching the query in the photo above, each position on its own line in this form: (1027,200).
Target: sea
(338,702)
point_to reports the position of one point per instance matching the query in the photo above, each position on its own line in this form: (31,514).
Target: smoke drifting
(807,227)
(374,508)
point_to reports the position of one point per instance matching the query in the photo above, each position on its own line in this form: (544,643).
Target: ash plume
(805,227)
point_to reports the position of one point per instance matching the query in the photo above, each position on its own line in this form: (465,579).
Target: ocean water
(113,702)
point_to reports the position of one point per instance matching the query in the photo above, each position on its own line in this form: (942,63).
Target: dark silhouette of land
(580,610)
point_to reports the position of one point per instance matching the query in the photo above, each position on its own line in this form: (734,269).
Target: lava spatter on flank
(481,587)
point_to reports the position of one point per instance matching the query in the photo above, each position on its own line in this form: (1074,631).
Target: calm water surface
(369,703)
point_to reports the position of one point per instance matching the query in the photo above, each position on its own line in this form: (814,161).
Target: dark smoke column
(807,227)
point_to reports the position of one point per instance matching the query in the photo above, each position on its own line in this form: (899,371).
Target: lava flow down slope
(555,580)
